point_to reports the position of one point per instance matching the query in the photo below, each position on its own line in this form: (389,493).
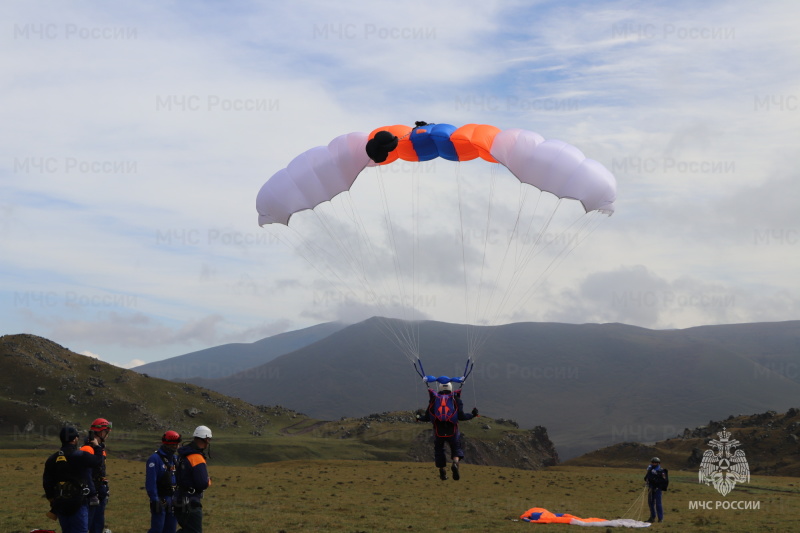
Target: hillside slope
(769,441)
(591,385)
(44,386)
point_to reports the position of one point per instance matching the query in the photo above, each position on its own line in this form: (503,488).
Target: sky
(135,137)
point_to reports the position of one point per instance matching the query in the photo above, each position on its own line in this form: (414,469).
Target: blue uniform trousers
(454,442)
(75,523)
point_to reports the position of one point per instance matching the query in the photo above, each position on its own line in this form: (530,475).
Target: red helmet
(100,424)
(171,437)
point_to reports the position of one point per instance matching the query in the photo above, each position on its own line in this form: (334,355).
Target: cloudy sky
(134,139)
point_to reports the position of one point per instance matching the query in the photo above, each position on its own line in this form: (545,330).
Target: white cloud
(135,138)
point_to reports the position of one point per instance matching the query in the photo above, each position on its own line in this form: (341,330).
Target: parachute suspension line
(480,340)
(306,248)
(473,343)
(519,266)
(493,289)
(346,253)
(467,317)
(636,509)
(355,217)
(408,334)
(406,347)
(415,254)
(583,234)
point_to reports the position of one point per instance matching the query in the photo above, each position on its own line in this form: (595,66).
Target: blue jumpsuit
(160,485)
(653,477)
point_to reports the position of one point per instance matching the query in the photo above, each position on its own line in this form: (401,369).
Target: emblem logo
(723,467)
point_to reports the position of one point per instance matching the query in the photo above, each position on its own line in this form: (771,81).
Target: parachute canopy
(395,233)
(318,175)
(538,515)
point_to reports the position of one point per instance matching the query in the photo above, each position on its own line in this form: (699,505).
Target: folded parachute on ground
(319,174)
(537,515)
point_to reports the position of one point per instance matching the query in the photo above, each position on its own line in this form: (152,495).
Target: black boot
(442,474)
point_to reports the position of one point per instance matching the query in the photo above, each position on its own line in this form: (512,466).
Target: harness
(165,483)
(67,487)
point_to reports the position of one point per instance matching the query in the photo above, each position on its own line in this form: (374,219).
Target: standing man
(445,410)
(96,444)
(160,484)
(193,480)
(66,481)
(657,482)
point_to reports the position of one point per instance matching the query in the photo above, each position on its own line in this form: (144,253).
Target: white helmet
(446,387)
(202,432)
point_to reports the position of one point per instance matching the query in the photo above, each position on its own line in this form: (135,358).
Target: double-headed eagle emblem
(723,467)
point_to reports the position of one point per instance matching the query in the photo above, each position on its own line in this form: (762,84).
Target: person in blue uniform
(160,484)
(657,481)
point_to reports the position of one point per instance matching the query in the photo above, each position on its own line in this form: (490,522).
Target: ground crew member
(160,484)
(66,480)
(192,478)
(96,444)
(657,482)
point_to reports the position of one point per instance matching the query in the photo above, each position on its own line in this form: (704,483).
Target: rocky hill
(44,386)
(770,440)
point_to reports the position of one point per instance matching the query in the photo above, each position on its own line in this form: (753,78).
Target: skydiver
(445,410)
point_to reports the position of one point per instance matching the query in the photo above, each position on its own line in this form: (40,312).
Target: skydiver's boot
(454,469)
(442,474)
(651,519)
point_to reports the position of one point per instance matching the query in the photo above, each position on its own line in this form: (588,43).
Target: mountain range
(590,385)
(228,359)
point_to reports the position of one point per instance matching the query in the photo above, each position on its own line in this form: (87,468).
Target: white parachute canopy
(423,235)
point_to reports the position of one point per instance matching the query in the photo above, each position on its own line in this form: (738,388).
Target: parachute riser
(426,379)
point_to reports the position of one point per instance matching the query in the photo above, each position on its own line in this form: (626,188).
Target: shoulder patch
(195,459)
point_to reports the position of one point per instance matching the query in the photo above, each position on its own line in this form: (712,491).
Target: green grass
(356,496)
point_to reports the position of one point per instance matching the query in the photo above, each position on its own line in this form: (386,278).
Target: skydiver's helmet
(655,460)
(171,437)
(100,424)
(67,434)
(202,432)
(446,387)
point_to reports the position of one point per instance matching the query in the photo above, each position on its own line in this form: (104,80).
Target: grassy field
(356,496)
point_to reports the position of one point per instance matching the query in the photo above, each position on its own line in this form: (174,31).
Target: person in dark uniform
(67,482)
(445,410)
(96,444)
(192,480)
